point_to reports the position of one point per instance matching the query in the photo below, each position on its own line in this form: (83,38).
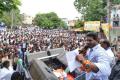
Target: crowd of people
(39,40)
(19,43)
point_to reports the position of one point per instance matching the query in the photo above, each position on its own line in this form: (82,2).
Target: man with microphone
(95,63)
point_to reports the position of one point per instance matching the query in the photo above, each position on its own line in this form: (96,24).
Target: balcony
(116,19)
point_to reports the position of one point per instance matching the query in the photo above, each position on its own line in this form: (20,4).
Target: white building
(115,22)
(115,16)
(27,19)
(65,20)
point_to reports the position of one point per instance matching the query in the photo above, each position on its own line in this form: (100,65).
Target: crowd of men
(98,59)
(19,43)
(38,40)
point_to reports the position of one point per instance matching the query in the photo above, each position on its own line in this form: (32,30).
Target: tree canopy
(115,1)
(8,5)
(7,19)
(49,21)
(93,9)
(79,24)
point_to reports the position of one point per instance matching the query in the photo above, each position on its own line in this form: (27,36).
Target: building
(115,22)
(27,19)
(71,23)
(65,20)
(115,16)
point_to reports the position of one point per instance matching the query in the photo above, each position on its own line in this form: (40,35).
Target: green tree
(7,19)
(93,9)
(8,5)
(48,20)
(90,9)
(115,1)
(79,24)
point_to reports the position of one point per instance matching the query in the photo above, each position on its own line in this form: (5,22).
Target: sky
(63,8)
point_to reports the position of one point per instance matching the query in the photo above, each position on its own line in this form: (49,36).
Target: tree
(93,9)
(8,5)
(79,24)
(48,20)
(7,19)
(115,1)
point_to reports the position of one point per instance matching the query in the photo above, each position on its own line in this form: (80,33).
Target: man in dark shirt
(115,73)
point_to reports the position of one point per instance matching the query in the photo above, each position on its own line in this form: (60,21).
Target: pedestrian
(106,45)
(115,73)
(5,73)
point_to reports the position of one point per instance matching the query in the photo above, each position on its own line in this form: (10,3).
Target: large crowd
(19,43)
(38,40)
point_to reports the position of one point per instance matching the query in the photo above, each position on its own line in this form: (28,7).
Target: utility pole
(108,11)
(109,15)
(12,19)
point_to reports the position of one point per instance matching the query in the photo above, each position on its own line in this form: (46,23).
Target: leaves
(115,1)
(48,20)
(8,5)
(92,9)
(7,19)
(79,24)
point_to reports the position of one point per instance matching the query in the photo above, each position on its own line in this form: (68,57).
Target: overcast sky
(63,8)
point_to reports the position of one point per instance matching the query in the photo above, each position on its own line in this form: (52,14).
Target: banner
(92,26)
(106,27)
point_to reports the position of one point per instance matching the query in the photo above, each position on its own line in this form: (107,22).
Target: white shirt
(109,52)
(111,56)
(5,74)
(100,59)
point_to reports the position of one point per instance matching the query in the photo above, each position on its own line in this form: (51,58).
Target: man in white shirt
(95,63)
(5,73)
(106,45)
